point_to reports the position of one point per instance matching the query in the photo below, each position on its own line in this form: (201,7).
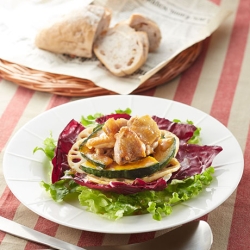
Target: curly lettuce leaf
(60,190)
(123,111)
(159,203)
(49,146)
(92,119)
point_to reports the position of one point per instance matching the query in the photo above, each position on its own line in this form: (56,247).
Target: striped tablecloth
(218,83)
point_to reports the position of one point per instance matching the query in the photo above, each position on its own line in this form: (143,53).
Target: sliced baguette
(122,50)
(76,32)
(142,23)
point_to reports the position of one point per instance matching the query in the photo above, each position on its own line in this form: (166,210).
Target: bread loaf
(122,50)
(142,23)
(76,32)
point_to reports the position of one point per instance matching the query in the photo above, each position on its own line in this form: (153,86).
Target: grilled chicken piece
(128,147)
(106,139)
(112,126)
(146,128)
(101,141)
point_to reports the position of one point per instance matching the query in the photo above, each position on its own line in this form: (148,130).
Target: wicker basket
(71,86)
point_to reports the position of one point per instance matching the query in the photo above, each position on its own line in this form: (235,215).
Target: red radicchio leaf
(120,187)
(183,131)
(103,119)
(194,159)
(66,139)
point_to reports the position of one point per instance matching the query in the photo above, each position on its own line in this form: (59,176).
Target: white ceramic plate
(24,170)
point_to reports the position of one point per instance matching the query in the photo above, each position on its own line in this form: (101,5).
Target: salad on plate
(122,165)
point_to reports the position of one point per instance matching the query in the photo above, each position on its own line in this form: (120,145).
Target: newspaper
(182,23)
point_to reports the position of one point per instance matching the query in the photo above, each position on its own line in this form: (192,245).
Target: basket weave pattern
(72,86)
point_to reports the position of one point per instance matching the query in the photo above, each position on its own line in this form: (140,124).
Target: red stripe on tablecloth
(42,224)
(149,92)
(46,227)
(90,239)
(232,66)
(140,237)
(8,121)
(57,100)
(13,112)
(10,206)
(204,217)
(189,79)
(239,239)
(216,1)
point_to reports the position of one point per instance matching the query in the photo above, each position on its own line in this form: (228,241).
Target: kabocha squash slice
(133,170)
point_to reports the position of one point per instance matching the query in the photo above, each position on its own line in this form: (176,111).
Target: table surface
(218,83)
